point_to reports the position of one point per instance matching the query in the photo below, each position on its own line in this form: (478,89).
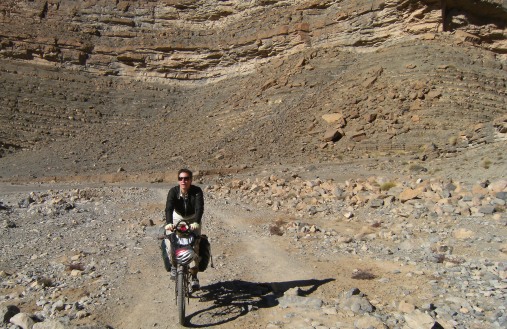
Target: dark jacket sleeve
(199,205)
(169,205)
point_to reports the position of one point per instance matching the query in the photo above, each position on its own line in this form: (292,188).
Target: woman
(184,202)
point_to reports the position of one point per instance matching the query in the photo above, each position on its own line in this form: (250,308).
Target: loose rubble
(66,250)
(415,221)
(412,199)
(63,253)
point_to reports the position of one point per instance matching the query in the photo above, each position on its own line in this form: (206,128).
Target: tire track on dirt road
(250,266)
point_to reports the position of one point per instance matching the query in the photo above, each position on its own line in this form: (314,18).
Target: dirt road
(249,265)
(252,270)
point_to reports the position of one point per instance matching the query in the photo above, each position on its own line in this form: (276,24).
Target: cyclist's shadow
(233,299)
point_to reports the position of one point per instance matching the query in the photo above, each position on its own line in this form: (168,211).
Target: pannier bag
(204,253)
(165,256)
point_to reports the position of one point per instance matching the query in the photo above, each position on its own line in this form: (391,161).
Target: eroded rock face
(195,40)
(151,85)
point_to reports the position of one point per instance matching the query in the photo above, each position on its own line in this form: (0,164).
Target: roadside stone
(376,203)
(58,306)
(332,135)
(272,326)
(300,302)
(22,320)
(8,224)
(348,215)
(357,136)
(409,194)
(419,320)
(343,325)
(357,304)
(296,291)
(334,118)
(501,195)
(432,94)
(463,234)
(82,314)
(487,210)
(479,189)
(329,310)
(369,322)
(406,307)
(498,186)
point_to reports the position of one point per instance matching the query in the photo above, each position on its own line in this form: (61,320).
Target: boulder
(22,320)
(332,135)
(335,119)
(419,320)
(409,194)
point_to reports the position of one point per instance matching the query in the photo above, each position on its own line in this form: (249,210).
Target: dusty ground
(251,265)
(253,269)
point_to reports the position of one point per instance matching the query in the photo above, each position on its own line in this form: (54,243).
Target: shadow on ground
(233,299)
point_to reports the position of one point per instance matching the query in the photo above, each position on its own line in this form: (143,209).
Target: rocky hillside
(101,86)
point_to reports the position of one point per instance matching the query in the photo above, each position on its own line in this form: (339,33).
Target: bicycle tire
(180,296)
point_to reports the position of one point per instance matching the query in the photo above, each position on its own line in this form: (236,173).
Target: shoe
(195,284)
(173,272)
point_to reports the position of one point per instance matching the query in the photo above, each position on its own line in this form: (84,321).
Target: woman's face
(184,181)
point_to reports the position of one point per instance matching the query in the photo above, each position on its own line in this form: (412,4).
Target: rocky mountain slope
(99,86)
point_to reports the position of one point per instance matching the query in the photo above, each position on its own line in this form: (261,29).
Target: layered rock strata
(87,85)
(201,40)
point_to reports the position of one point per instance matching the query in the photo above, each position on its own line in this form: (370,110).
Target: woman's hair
(186,171)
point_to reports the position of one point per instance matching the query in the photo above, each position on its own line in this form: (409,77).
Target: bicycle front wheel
(180,296)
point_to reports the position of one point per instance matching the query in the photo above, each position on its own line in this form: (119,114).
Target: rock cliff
(203,40)
(256,79)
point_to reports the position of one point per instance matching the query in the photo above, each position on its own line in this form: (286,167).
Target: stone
(463,234)
(487,210)
(357,304)
(406,307)
(501,195)
(370,117)
(59,305)
(466,37)
(22,320)
(300,302)
(433,94)
(369,82)
(376,203)
(76,272)
(358,136)
(334,119)
(498,186)
(332,135)
(272,326)
(479,190)
(419,320)
(296,291)
(348,215)
(409,194)
(369,322)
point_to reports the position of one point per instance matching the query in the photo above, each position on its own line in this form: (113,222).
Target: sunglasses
(184,178)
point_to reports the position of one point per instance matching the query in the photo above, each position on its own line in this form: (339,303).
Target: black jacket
(193,204)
